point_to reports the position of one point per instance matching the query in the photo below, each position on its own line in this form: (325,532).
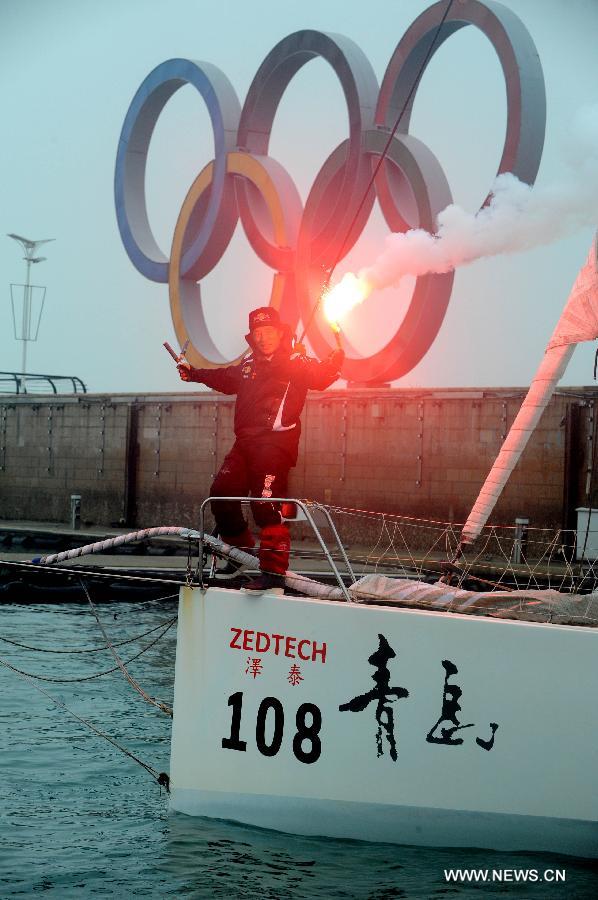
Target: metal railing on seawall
(35,383)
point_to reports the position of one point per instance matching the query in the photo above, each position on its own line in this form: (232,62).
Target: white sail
(578,322)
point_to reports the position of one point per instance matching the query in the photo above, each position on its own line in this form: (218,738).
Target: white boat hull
(396,725)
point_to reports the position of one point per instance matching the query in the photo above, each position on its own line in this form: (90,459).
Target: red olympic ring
(299,244)
(431,193)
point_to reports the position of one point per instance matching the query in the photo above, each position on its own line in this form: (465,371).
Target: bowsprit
(301,242)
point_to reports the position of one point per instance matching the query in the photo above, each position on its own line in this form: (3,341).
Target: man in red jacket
(271,384)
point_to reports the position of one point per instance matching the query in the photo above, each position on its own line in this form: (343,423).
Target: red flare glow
(340,299)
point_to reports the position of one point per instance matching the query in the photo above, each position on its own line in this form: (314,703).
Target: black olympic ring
(299,243)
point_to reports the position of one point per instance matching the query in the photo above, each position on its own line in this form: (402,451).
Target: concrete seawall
(141,460)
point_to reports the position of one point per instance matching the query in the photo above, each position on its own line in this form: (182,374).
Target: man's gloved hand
(336,359)
(184,370)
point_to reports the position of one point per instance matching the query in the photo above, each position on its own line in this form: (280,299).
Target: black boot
(265,583)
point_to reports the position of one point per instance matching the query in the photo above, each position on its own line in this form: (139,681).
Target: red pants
(252,469)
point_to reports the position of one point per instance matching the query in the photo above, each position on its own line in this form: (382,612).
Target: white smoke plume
(517,218)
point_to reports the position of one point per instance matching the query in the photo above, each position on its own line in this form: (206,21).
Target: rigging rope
(378,166)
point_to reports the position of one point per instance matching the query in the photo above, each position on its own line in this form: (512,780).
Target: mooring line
(97,674)
(162,778)
(86,649)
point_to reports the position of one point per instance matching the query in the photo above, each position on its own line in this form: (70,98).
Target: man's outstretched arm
(225,380)
(318,375)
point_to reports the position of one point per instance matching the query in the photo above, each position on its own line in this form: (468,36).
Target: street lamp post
(30,258)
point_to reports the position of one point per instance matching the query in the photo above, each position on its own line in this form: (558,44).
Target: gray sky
(69,71)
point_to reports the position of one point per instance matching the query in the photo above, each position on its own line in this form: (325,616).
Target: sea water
(80,819)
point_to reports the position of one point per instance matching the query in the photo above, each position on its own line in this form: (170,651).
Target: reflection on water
(79,819)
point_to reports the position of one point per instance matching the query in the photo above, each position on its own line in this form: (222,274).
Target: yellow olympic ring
(283,218)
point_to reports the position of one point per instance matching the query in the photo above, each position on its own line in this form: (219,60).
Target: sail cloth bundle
(531,605)
(578,322)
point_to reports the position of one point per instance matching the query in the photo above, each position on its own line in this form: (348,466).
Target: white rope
(300,583)
(119,540)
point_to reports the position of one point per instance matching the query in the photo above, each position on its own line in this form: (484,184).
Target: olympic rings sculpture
(299,242)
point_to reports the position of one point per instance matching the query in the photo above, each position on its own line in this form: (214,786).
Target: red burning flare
(340,299)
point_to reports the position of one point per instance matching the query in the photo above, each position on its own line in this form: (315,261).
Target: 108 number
(307,746)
